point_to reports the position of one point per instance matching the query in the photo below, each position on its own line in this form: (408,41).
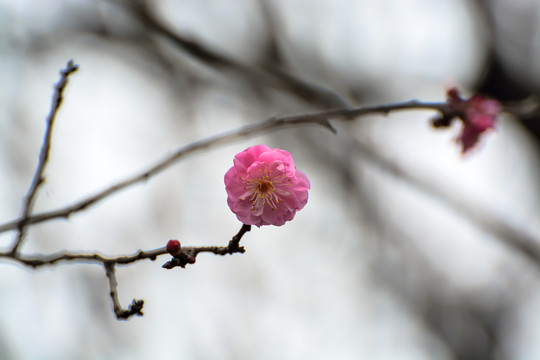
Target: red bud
(174,248)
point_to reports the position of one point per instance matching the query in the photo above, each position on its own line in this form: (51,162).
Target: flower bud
(174,248)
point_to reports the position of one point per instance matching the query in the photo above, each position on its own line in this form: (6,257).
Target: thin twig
(135,308)
(319,118)
(188,255)
(231,248)
(39,178)
(39,260)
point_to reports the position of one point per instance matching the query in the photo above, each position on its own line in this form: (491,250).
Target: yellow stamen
(262,188)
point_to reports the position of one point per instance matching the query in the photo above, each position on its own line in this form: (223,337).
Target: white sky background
(308,290)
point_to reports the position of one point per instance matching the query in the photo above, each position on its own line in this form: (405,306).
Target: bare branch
(39,178)
(135,308)
(93,258)
(38,260)
(318,118)
(189,254)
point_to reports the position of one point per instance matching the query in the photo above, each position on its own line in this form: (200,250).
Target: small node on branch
(327,124)
(135,308)
(188,255)
(234,244)
(442,121)
(181,259)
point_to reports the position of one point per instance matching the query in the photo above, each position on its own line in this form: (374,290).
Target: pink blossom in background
(478,115)
(264,188)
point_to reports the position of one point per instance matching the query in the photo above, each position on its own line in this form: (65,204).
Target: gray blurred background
(406,249)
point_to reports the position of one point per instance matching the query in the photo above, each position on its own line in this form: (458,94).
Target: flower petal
(264,188)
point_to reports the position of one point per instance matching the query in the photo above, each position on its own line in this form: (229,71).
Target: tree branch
(187,256)
(318,118)
(38,179)
(121,314)
(39,260)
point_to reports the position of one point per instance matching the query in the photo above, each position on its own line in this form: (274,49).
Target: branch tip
(39,178)
(135,308)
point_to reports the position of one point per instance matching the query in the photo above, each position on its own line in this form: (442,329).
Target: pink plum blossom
(478,115)
(264,188)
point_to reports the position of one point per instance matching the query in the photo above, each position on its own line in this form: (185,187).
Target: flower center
(261,189)
(265,186)
(264,193)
